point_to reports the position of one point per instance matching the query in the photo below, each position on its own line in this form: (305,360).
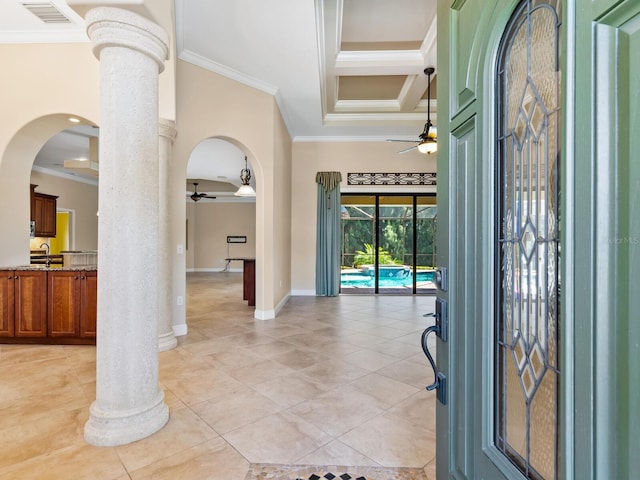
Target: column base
(167,341)
(112,428)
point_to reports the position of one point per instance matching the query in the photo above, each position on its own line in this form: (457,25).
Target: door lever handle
(440,381)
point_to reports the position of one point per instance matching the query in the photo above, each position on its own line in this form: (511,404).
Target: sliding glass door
(388,244)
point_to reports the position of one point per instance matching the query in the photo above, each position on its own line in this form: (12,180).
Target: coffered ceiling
(347,69)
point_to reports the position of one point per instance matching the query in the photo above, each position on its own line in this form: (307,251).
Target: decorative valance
(329,180)
(391,178)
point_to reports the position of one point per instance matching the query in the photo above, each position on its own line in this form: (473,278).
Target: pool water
(355,279)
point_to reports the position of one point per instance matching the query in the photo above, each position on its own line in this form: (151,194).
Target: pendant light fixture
(245,190)
(428,143)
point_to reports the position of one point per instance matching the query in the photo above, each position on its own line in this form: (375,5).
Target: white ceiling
(339,69)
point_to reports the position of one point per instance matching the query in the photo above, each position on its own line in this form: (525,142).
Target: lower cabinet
(71,306)
(48,306)
(23,304)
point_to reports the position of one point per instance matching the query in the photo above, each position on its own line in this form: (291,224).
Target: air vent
(47,12)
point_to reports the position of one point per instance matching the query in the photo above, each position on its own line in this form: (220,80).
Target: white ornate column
(166,338)
(129,404)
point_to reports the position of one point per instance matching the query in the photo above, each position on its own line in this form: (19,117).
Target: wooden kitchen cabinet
(6,303)
(71,305)
(23,304)
(43,213)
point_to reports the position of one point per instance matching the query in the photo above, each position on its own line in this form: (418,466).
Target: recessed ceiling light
(74,120)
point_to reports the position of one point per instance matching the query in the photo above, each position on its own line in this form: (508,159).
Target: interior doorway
(388,243)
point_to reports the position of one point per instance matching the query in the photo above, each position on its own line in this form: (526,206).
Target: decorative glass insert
(527,248)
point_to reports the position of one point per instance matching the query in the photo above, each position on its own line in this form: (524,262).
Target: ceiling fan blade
(408,149)
(398,140)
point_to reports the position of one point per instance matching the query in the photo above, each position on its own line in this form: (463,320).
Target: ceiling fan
(427,140)
(195,196)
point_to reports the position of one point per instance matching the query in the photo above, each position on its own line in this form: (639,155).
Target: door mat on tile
(268,471)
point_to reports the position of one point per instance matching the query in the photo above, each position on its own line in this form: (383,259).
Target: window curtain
(328,234)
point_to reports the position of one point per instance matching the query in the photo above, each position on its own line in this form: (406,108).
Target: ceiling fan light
(428,146)
(245,191)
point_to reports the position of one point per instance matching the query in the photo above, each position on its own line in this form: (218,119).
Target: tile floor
(330,381)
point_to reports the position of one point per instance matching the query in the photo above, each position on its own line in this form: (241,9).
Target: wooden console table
(248,278)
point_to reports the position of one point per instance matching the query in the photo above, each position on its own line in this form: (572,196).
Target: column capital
(115,27)
(167,128)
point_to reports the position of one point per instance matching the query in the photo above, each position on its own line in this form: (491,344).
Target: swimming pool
(365,279)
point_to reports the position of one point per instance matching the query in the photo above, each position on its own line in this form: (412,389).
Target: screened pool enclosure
(388,243)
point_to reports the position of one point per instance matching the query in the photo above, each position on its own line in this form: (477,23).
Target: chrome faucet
(48,259)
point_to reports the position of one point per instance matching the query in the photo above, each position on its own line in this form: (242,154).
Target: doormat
(269,471)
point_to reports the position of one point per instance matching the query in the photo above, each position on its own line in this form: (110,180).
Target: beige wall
(344,157)
(40,87)
(282,210)
(81,198)
(209,225)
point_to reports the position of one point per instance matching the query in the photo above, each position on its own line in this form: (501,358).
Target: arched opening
(17,172)
(220,225)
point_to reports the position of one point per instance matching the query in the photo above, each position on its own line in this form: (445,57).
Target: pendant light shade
(245,190)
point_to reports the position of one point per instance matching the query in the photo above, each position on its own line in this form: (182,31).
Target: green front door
(539,237)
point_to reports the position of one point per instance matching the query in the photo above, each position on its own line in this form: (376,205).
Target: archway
(220,225)
(15,174)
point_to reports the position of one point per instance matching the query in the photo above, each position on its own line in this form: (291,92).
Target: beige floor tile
(21,380)
(298,359)
(282,328)
(261,372)
(242,408)
(183,430)
(291,389)
(205,386)
(369,359)
(418,409)
(385,332)
(334,372)
(397,349)
(362,339)
(273,348)
(338,410)
(392,442)
(308,339)
(430,470)
(30,408)
(420,358)
(337,453)
(80,353)
(386,391)
(413,338)
(409,372)
(43,435)
(279,438)
(206,346)
(16,354)
(212,460)
(235,358)
(333,349)
(77,462)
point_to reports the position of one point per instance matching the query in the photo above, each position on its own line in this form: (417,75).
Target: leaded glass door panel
(526,252)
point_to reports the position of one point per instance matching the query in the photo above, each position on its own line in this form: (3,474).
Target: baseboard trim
(303,293)
(180,330)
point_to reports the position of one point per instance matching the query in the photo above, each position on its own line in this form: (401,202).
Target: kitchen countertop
(53,268)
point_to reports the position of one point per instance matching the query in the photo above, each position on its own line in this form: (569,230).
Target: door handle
(441,330)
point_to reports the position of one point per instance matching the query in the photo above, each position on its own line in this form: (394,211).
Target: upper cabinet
(43,213)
